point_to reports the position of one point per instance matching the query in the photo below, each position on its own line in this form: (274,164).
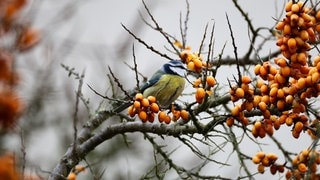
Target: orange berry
(262,106)
(240,92)
(304,35)
(137,105)
(298,126)
(211,81)
(184,114)
(257,69)
(281,104)
(302,168)
(273,91)
(315,77)
(288,6)
(131,111)
(265,161)
(301,83)
(139,97)
(272,157)
(281,62)
(143,116)
(287,29)
(191,66)
(256,160)
(200,94)
(167,119)
(273,169)
(260,154)
(161,116)
(289,121)
(261,168)
(151,99)
(295,8)
(264,89)
(246,79)
(230,121)
(280,25)
(285,71)
(145,103)
(197,63)
(154,107)
(292,44)
(72,176)
(257,124)
(235,111)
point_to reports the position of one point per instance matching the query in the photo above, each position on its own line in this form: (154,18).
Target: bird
(166,84)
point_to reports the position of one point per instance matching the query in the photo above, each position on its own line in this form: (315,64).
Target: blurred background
(88,36)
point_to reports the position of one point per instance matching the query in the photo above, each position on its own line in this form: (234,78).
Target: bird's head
(175,67)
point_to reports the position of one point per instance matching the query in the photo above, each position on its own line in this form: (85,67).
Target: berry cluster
(243,91)
(267,160)
(203,87)
(192,59)
(286,83)
(283,91)
(147,108)
(304,165)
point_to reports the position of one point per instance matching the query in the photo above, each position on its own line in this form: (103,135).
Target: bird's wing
(154,79)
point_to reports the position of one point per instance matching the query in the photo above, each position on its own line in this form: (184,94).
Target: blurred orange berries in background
(8,169)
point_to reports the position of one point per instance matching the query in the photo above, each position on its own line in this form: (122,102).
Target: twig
(145,44)
(234,50)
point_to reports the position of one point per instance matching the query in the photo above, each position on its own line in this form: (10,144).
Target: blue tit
(166,85)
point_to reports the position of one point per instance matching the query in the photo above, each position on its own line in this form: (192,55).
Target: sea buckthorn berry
(143,116)
(145,103)
(286,29)
(273,91)
(131,111)
(288,6)
(162,116)
(273,169)
(197,63)
(246,79)
(261,168)
(240,92)
(211,81)
(256,160)
(191,66)
(167,119)
(295,8)
(139,97)
(257,69)
(184,114)
(298,126)
(200,94)
(302,168)
(137,105)
(261,154)
(151,99)
(235,111)
(72,176)
(230,121)
(292,44)
(301,83)
(154,107)
(262,106)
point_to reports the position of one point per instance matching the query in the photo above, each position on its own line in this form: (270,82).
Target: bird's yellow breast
(166,90)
